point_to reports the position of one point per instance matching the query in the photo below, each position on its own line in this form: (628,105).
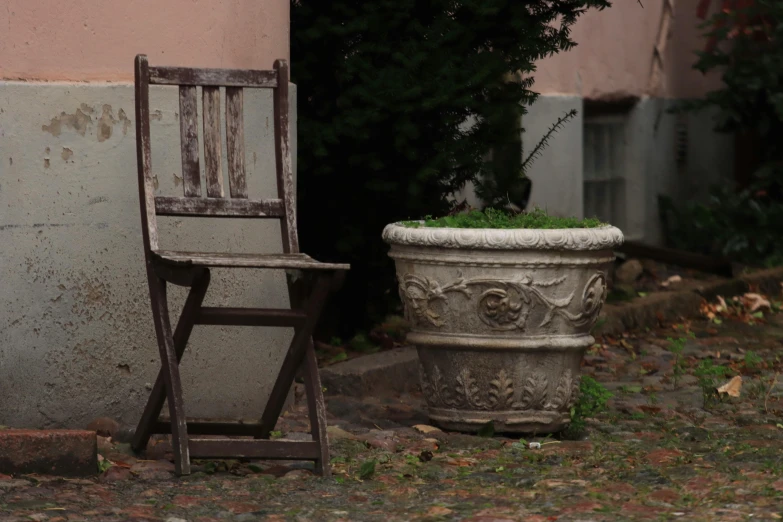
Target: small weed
(275,435)
(336,341)
(360,343)
(342,356)
(709,374)
(592,400)
(752,360)
(104,465)
(487,430)
(677,346)
(652,399)
(367,469)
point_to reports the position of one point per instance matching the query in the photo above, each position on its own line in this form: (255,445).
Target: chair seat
(228,260)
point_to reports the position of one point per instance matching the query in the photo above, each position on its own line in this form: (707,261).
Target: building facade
(633,63)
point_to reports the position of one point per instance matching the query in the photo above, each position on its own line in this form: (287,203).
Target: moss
(492,218)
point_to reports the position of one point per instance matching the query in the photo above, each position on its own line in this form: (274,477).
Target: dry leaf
(425,429)
(672,279)
(732,388)
(755,301)
(439,511)
(722,307)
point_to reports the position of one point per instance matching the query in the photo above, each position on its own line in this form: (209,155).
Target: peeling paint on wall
(78,121)
(126,123)
(106,124)
(66,154)
(81,121)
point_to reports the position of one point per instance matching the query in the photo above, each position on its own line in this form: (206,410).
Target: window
(603,170)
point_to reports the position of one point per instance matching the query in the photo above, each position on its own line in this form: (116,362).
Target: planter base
(533,422)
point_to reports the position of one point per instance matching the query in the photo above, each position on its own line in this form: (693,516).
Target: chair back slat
(188,125)
(236,208)
(215,203)
(212,77)
(235,142)
(285,178)
(213,152)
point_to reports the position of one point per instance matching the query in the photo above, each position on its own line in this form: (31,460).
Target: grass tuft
(493,218)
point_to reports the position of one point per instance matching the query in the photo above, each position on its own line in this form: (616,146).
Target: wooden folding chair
(191,269)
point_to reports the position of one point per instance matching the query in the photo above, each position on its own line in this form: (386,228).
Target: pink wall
(614,55)
(96,40)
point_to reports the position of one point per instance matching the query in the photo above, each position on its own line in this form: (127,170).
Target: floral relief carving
(499,394)
(503,304)
(566,393)
(533,393)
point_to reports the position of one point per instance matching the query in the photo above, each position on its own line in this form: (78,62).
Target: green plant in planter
(494,218)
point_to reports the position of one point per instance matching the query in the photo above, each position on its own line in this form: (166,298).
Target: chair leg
(295,356)
(317,409)
(182,333)
(170,370)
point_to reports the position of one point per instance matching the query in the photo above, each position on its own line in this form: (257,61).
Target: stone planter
(501,319)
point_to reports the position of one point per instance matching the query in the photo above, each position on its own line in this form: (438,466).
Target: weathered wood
(188,129)
(181,335)
(170,371)
(263,449)
(178,275)
(235,142)
(190,268)
(163,426)
(212,77)
(316,409)
(229,260)
(149,228)
(250,317)
(240,208)
(213,152)
(294,356)
(285,178)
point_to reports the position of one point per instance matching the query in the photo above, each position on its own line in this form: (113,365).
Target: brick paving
(664,450)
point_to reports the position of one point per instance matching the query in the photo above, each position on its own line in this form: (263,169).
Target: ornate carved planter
(501,319)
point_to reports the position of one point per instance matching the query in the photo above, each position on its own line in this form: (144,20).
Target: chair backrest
(214,203)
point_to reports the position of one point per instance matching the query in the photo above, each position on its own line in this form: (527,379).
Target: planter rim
(600,238)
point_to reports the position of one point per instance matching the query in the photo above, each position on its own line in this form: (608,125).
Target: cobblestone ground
(663,451)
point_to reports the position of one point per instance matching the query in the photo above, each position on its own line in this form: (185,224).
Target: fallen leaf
(732,388)
(439,511)
(755,302)
(672,279)
(722,307)
(461,462)
(425,429)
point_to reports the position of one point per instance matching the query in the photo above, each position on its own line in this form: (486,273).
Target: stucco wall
(614,54)
(76,333)
(89,40)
